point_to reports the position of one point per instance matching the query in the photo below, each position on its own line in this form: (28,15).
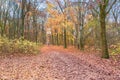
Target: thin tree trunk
(65,39)
(81,39)
(23,17)
(57,39)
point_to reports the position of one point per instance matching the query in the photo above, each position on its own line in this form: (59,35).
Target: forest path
(56,63)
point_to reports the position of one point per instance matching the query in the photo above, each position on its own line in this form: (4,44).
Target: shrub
(115,49)
(18,46)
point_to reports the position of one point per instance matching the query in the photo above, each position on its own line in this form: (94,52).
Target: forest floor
(56,63)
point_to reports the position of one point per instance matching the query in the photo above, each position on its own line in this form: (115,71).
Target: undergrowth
(115,49)
(18,46)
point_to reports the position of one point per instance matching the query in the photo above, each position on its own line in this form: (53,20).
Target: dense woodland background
(85,24)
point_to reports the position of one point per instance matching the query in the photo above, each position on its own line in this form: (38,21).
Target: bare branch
(111,7)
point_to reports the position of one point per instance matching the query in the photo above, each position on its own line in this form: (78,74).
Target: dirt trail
(56,63)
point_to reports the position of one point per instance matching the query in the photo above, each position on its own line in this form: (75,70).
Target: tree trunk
(104,47)
(52,39)
(23,17)
(81,31)
(81,39)
(65,39)
(57,39)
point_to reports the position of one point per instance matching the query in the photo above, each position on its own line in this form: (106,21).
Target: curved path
(56,63)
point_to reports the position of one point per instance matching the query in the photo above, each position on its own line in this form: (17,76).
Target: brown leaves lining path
(56,63)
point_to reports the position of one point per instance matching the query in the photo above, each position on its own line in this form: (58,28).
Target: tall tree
(104,8)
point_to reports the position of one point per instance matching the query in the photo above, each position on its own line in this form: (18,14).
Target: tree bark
(65,39)
(81,39)
(23,17)
(104,47)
